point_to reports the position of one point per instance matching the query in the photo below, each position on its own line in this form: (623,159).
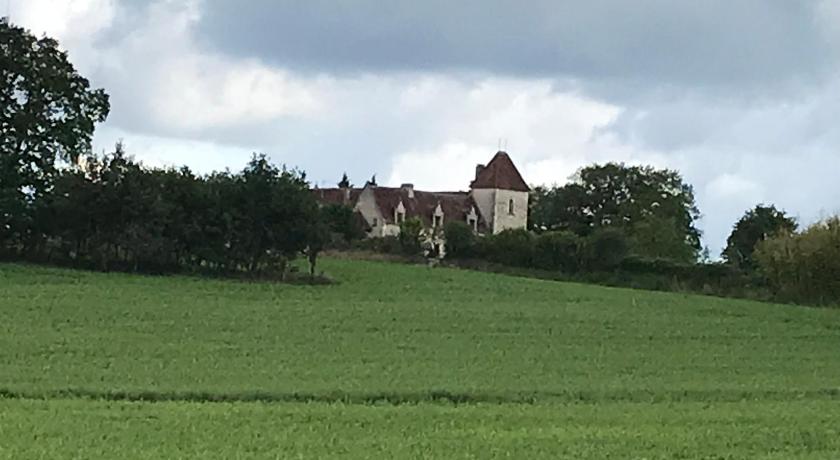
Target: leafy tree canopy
(47,112)
(629,198)
(757,225)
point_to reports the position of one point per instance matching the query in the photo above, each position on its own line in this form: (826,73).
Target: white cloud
(549,133)
(76,24)
(182,89)
(73,21)
(155,151)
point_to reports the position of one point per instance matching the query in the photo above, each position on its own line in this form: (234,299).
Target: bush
(460,240)
(510,247)
(604,249)
(711,278)
(342,221)
(558,251)
(384,245)
(804,267)
(411,236)
(115,214)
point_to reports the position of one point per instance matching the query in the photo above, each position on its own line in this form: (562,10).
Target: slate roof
(500,173)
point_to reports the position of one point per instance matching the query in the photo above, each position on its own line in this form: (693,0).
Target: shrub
(605,249)
(385,245)
(510,247)
(411,236)
(558,251)
(804,267)
(343,221)
(460,240)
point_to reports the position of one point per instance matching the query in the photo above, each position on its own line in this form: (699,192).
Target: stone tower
(501,194)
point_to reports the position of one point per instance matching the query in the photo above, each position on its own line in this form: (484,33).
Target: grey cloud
(714,43)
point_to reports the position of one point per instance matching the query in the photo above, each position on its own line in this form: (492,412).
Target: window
(375,221)
(400,217)
(438,221)
(510,207)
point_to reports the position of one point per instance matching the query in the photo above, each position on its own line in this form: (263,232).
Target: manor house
(497,200)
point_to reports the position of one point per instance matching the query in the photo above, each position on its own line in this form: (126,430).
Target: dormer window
(375,221)
(437,217)
(510,207)
(472,219)
(399,213)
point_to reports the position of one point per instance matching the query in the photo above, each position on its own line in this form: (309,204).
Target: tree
(276,210)
(605,249)
(48,113)
(342,220)
(345,181)
(656,237)
(317,237)
(621,197)
(411,236)
(560,208)
(757,225)
(460,239)
(558,251)
(514,247)
(803,266)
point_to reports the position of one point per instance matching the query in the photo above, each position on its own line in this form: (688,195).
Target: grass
(84,429)
(470,364)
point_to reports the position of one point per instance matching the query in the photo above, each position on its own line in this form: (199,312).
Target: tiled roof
(455,205)
(336,195)
(500,173)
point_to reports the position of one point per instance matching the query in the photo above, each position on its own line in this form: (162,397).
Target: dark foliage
(558,251)
(510,247)
(47,113)
(803,266)
(650,206)
(114,214)
(411,236)
(604,249)
(343,222)
(344,182)
(757,225)
(460,240)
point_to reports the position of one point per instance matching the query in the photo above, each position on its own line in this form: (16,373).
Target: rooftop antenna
(505,149)
(499,145)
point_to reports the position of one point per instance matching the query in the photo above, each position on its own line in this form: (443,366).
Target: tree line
(59,203)
(111,213)
(636,226)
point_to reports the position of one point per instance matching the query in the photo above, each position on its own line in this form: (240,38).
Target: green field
(405,361)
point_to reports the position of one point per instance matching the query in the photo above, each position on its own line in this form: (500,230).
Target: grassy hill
(406,361)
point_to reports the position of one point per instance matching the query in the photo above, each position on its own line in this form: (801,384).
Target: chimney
(478,169)
(408,189)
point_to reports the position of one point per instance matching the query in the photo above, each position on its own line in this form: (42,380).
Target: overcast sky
(742,96)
